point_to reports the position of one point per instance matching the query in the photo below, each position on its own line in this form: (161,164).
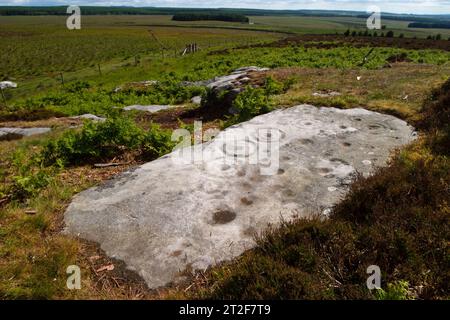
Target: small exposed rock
(146,83)
(238,76)
(196,100)
(17,133)
(7,84)
(151,108)
(107,165)
(89,116)
(326,94)
(250,69)
(236,79)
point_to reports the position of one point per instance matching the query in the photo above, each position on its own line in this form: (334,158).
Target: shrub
(216,102)
(398,290)
(157,142)
(77,86)
(28,185)
(273,86)
(78,98)
(435,119)
(28,176)
(168,91)
(250,103)
(31,114)
(104,140)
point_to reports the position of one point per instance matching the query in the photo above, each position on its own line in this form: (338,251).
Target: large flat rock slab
(201,205)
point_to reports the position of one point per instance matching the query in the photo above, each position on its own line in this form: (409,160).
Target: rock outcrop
(224,89)
(227,87)
(237,78)
(175,213)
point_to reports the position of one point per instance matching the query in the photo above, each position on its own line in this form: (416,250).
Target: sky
(395,6)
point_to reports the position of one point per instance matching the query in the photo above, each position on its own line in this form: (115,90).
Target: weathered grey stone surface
(170,214)
(7,84)
(196,100)
(151,108)
(326,94)
(145,83)
(89,116)
(22,131)
(237,78)
(226,88)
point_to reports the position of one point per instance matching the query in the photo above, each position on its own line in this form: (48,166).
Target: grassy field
(39,46)
(290,24)
(36,50)
(39,175)
(49,92)
(314,25)
(100,97)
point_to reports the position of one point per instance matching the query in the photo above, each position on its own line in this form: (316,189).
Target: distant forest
(229,17)
(430,25)
(90,10)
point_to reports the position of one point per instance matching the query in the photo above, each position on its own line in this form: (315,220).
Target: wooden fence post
(4,98)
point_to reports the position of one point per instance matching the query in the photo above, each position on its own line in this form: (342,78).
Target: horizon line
(225,8)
